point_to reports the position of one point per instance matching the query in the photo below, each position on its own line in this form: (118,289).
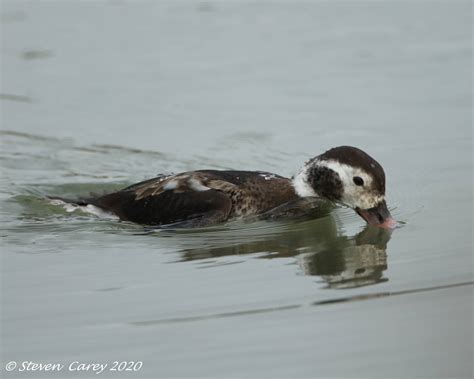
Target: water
(98,95)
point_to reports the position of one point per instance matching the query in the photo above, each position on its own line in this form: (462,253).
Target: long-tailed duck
(344,175)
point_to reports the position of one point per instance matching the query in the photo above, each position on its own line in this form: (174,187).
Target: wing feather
(185,182)
(170,199)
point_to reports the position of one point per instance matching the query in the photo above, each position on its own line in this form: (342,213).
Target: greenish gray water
(98,95)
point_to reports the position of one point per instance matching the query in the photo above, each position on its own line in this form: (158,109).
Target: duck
(343,175)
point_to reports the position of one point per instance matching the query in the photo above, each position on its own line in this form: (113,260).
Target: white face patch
(353,195)
(301,185)
(196,185)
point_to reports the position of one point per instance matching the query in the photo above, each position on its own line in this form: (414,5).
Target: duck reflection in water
(341,260)
(350,262)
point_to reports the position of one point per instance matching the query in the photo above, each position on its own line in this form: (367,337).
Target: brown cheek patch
(326,183)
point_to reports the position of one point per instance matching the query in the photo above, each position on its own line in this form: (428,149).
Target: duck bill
(378,216)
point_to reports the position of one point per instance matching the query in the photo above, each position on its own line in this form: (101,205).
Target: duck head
(349,176)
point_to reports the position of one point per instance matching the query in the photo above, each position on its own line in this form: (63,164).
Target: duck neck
(302,185)
(317,179)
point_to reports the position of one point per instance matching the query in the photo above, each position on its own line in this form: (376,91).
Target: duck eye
(358,181)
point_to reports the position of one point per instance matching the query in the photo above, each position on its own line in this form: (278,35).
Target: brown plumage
(198,197)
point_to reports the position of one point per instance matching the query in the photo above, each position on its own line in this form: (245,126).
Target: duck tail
(58,200)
